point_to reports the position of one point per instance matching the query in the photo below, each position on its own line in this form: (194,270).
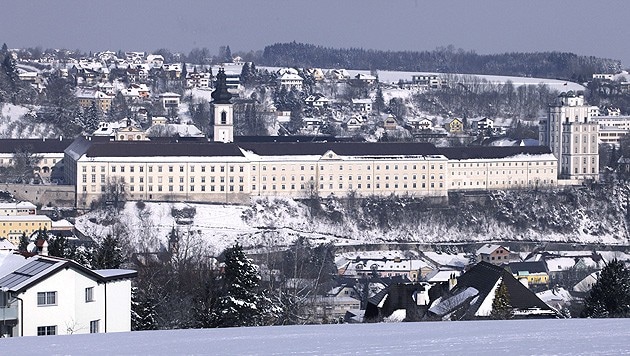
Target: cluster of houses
(377,285)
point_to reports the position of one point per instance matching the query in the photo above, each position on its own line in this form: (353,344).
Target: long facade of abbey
(235,172)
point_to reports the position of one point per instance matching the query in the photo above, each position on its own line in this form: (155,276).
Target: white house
(42,295)
(290,81)
(483,124)
(169,100)
(362,105)
(317,101)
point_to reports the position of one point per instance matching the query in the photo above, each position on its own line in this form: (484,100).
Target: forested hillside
(445,60)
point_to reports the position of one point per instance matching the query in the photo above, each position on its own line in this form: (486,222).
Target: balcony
(9,313)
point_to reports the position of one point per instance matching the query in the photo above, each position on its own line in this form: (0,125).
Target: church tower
(222,110)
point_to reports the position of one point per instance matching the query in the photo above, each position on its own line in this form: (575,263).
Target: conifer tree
(501,305)
(610,296)
(108,254)
(240,303)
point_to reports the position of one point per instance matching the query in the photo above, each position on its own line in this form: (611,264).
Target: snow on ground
(513,337)
(559,85)
(8,114)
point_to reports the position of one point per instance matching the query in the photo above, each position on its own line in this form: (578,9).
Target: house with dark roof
(531,273)
(42,295)
(472,296)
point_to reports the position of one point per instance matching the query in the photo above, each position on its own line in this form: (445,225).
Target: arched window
(223,118)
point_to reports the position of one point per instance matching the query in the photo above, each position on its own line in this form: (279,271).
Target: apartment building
(572,134)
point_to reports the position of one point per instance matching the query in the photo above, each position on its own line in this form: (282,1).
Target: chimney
(452,281)
(44,249)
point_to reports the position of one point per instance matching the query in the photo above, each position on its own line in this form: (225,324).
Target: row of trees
(443,59)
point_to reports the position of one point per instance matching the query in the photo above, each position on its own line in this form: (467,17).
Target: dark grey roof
(471,152)
(531,267)
(483,276)
(24,273)
(342,148)
(34,145)
(151,149)
(31,273)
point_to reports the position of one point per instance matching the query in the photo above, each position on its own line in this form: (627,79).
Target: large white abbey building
(571,131)
(230,169)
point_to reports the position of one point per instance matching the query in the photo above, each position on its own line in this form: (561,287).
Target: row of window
(50,298)
(160,169)
(52,329)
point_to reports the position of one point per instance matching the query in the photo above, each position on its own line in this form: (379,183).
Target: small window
(47,298)
(94,326)
(89,294)
(47,330)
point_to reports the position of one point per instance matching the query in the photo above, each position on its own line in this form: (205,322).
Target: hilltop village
(135,154)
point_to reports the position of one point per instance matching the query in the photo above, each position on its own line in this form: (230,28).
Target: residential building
(390,122)
(169,100)
(455,126)
(16,209)
(472,296)
(571,132)
(530,273)
(12,227)
(290,81)
(88,98)
(483,124)
(41,295)
(362,105)
(495,254)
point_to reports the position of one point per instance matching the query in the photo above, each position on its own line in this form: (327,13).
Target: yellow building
(12,227)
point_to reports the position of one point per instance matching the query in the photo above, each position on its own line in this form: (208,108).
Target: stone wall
(42,195)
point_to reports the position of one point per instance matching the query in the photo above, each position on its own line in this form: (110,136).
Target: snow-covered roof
(558,264)
(587,283)
(488,249)
(6,245)
(442,275)
(448,305)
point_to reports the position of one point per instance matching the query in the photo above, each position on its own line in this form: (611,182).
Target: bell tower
(223,110)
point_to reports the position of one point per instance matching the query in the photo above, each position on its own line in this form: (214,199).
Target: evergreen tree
(23,241)
(58,246)
(501,305)
(246,77)
(610,296)
(379,101)
(108,254)
(240,303)
(228,55)
(143,310)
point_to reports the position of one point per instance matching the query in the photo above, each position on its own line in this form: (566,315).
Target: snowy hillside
(513,337)
(571,215)
(15,123)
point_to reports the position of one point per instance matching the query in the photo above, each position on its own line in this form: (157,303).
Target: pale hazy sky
(588,27)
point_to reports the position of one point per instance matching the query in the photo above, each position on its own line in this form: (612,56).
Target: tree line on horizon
(562,65)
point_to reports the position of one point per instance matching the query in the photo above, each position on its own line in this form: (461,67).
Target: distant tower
(223,110)
(572,135)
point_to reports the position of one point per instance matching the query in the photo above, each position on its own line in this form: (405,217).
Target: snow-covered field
(514,337)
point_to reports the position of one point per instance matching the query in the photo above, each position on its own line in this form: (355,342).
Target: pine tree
(610,296)
(501,305)
(143,311)
(23,242)
(240,303)
(228,55)
(379,101)
(108,254)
